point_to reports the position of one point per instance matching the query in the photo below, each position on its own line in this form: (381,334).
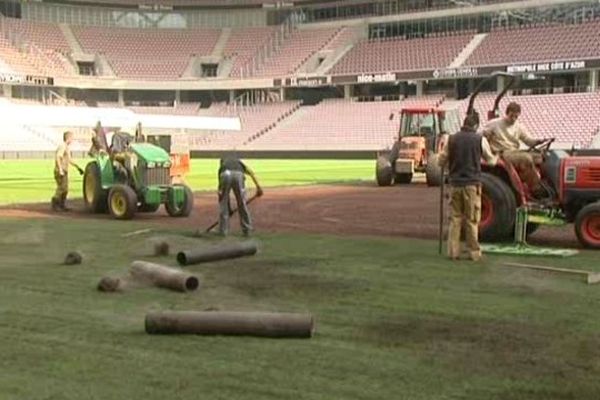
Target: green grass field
(32,180)
(394,321)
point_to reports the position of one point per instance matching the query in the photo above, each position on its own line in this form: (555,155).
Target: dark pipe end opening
(192,283)
(181,258)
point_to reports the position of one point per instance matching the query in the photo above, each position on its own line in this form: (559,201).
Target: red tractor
(571,179)
(419,142)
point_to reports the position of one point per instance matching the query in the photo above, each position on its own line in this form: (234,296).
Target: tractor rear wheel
(122,202)
(433,172)
(184,209)
(403,178)
(384,173)
(498,210)
(94,195)
(587,226)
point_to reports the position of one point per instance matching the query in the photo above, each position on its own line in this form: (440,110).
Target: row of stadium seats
(167,53)
(374,56)
(336,124)
(538,43)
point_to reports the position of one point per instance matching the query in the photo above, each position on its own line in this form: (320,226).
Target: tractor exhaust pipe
(217,253)
(274,325)
(164,277)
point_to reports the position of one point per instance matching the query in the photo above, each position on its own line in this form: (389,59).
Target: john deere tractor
(133,177)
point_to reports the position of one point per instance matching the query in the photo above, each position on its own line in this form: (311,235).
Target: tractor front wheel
(94,196)
(384,173)
(498,210)
(184,209)
(433,172)
(122,202)
(587,226)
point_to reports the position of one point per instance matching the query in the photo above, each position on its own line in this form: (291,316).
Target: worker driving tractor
(504,135)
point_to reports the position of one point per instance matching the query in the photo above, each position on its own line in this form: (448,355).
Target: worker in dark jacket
(462,155)
(232,176)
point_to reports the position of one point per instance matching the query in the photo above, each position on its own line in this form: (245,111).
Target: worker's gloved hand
(259,192)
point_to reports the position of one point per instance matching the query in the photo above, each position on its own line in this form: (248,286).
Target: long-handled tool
(441,227)
(231,212)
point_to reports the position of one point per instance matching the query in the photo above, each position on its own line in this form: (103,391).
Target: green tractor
(136,179)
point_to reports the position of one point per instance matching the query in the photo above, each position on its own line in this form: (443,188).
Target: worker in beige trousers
(462,155)
(62,161)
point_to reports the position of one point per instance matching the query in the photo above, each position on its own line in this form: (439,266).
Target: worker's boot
(63,203)
(55,204)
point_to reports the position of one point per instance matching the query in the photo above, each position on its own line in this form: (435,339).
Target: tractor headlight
(151,165)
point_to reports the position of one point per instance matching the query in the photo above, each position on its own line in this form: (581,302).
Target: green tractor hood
(150,153)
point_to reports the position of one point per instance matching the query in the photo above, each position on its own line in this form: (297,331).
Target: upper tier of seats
(166,54)
(372,56)
(148,53)
(538,43)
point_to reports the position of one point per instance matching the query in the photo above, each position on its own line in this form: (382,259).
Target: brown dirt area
(403,211)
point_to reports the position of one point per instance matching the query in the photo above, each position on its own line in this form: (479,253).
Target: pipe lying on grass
(165,277)
(275,325)
(221,252)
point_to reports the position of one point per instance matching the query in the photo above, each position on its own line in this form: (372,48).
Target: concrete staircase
(103,66)
(322,61)
(221,42)
(297,113)
(71,39)
(467,50)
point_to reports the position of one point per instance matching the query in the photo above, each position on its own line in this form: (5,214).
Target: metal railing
(270,46)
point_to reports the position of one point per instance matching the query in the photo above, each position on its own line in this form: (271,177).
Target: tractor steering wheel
(542,147)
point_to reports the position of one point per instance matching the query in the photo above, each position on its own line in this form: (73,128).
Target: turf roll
(262,324)
(164,277)
(220,252)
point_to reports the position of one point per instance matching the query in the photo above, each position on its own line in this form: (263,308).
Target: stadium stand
(550,42)
(132,53)
(15,60)
(373,56)
(356,126)
(296,50)
(44,46)
(243,44)
(256,121)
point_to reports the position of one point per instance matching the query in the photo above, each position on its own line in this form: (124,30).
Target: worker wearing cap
(505,135)
(462,155)
(61,172)
(232,176)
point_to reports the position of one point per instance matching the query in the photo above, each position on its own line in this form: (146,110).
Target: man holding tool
(61,172)
(232,176)
(462,156)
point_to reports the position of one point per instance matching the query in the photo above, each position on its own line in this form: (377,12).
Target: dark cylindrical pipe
(216,253)
(165,277)
(276,325)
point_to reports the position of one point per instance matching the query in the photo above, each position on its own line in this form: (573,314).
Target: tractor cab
(421,136)
(427,127)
